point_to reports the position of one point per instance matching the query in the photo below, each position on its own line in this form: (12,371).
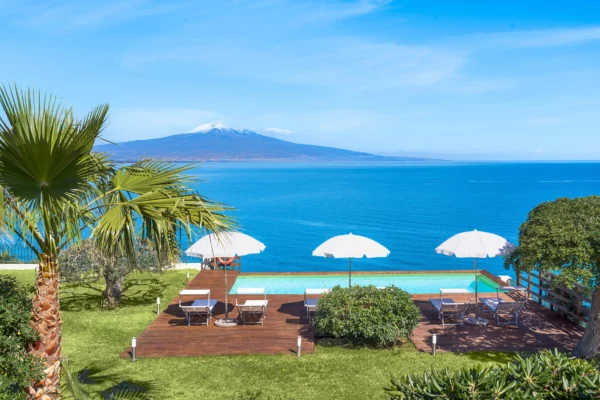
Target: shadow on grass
(491,356)
(142,290)
(137,290)
(130,389)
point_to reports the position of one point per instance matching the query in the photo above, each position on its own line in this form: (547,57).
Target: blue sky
(463,79)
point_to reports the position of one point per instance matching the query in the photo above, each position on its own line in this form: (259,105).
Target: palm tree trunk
(113,290)
(45,319)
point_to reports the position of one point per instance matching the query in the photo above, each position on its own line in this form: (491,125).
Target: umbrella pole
(476,282)
(226,292)
(349,272)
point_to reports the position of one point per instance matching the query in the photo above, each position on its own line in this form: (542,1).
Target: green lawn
(94,338)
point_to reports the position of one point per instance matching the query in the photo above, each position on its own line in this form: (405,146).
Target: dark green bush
(367,315)
(17,368)
(545,375)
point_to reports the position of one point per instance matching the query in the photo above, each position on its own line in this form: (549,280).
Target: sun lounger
(311,304)
(519,291)
(447,308)
(501,307)
(202,308)
(252,311)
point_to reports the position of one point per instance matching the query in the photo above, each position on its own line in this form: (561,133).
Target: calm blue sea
(408,207)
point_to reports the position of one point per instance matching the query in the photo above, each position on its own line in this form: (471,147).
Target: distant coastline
(218,143)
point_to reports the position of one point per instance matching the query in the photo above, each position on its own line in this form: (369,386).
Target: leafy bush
(545,375)
(17,368)
(367,315)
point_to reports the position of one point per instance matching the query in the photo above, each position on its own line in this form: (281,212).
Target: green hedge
(367,315)
(545,375)
(17,368)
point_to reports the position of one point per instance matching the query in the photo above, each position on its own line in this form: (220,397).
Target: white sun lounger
(447,308)
(499,307)
(311,304)
(202,308)
(252,311)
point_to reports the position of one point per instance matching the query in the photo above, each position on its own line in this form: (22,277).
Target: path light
(299,346)
(133,346)
(434,342)
(157,305)
(187,278)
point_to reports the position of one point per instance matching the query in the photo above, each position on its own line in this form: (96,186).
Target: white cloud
(140,123)
(334,10)
(64,15)
(322,62)
(527,39)
(279,131)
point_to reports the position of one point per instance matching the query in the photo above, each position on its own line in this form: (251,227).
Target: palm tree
(54,187)
(148,200)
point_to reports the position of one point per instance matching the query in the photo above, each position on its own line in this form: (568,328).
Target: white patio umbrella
(225,244)
(474,244)
(350,246)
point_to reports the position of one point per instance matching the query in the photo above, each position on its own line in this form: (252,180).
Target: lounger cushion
(491,302)
(437,303)
(311,303)
(203,303)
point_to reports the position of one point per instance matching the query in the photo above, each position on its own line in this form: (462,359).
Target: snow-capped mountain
(218,126)
(217,142)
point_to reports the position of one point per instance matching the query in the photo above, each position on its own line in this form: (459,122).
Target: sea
(409,207)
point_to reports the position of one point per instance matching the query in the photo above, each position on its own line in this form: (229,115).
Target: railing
(543,287)
(16,253)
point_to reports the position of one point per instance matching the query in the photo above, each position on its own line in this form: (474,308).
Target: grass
(94,338)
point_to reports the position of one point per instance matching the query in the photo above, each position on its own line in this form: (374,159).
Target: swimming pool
(412,283)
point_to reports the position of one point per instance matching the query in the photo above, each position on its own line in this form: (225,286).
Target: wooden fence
(543,287)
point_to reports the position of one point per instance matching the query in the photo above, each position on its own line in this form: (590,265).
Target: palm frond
(46,160)
(152,199)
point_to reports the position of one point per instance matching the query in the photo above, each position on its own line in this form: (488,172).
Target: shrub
(367,315)
(17,368)
(545,375)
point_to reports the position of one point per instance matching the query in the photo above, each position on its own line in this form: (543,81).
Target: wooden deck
(539,328)
(168,334)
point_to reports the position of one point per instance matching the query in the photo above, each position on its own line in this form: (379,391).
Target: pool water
(412,283)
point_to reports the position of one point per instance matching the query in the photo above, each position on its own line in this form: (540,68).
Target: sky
(507,80)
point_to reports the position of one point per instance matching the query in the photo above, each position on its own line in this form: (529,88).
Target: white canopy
(225,244)
(351,246)
(473,244)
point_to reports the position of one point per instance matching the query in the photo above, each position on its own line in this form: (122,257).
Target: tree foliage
(367,315)
(17,368)
(563,236)
(545,375)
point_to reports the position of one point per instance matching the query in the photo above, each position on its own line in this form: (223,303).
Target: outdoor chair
(312,304)
(202,308)
(252,311)
(500,307)
(447,308)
